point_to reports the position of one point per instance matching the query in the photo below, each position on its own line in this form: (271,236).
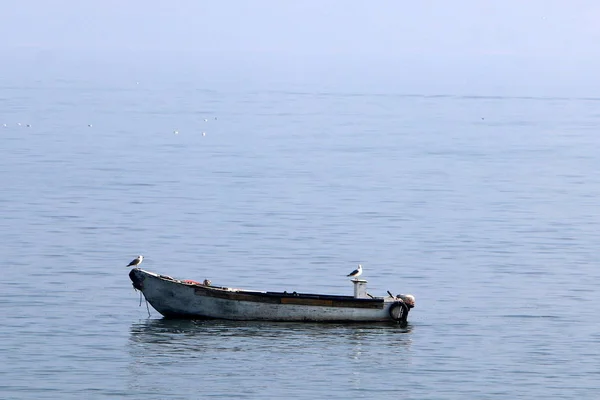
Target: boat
(175,298)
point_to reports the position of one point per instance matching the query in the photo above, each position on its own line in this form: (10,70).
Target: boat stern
(400,307)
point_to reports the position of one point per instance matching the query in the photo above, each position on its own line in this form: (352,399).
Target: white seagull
(136,261)
(356,272)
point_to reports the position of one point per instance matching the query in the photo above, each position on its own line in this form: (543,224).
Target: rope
(147,308)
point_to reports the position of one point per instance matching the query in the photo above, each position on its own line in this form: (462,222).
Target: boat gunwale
(283,298)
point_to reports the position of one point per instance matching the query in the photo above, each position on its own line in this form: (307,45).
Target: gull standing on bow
(356,273)
(136,261)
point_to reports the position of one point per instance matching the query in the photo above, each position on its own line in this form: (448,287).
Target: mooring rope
(147,308)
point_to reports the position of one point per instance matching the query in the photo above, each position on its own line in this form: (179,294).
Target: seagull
(356,272)
(136,261)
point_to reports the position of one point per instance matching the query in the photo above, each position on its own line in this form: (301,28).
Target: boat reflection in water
(166,330)
(231,359)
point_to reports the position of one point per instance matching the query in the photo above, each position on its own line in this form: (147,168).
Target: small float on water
(175,298)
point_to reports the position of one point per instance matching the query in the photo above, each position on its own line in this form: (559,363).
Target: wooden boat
(175,298)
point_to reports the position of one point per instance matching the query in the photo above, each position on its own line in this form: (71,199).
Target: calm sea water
(484,208)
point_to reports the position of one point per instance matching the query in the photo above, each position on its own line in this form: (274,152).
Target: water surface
(484,208)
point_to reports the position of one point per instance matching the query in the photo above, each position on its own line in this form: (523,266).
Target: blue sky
(398,45)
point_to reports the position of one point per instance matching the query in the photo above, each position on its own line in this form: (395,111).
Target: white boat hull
(188,299)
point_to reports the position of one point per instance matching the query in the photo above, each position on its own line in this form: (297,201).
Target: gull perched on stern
(136,261)
(356,273)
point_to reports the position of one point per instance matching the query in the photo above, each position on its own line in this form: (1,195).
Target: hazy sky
(525,44)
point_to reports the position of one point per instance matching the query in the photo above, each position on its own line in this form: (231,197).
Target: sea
(486,208)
